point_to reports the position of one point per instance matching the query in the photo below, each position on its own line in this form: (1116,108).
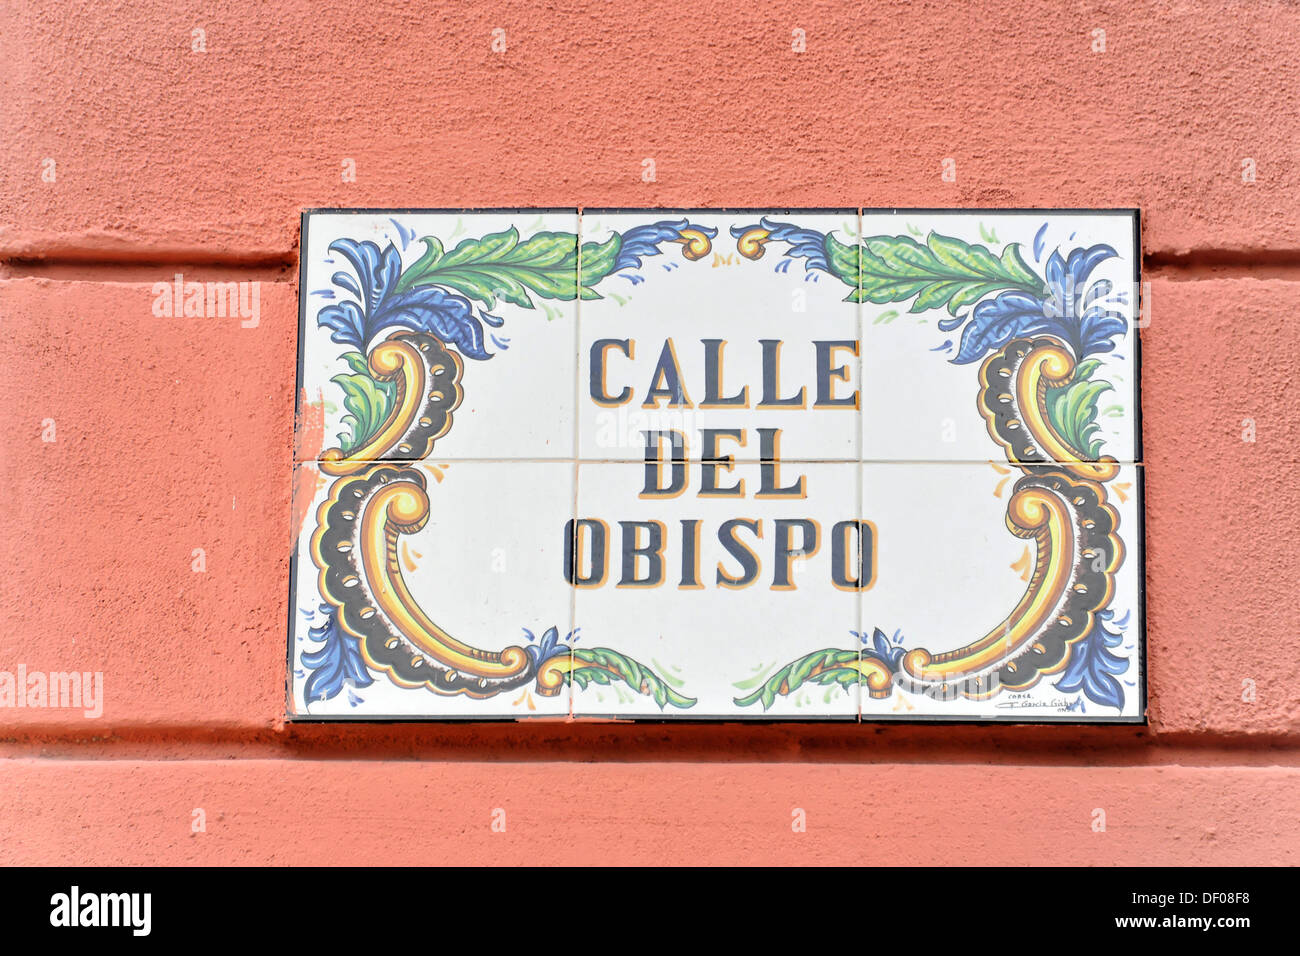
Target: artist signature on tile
(1060,704)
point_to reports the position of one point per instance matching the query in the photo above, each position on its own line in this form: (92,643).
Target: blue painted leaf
(336,663)
(992,324)
(1092,667)
(348,322)
(1066,309)
(809,244)
(548,646)
(383,301)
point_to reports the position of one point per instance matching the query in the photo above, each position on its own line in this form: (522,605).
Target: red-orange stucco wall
(175,434)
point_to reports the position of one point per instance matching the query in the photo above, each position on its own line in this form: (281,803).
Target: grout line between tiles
(862,427)
(738,461)
(577,391)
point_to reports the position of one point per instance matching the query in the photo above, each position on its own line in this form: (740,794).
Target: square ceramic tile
(431,589)
(430,332)
(731,329)
(1005,594)
(977,326)
(726,605)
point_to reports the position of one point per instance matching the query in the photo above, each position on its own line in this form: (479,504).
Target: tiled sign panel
(774,464)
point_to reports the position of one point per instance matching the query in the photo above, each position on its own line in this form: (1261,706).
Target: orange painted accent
(1023,565)
(695,244)
(310,431)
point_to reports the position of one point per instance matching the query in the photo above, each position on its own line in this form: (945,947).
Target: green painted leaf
(1017,268)
(935,296)
(824,667)
(749,683)
(942,272)
(845,261)
(499,266)
(367,401)
(663,673)
(597,262)
(961,258)
(1072,409)
(633,673)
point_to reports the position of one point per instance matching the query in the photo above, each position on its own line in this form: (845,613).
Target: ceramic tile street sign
(774,464)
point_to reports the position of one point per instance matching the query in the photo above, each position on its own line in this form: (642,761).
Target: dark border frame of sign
(1141,719)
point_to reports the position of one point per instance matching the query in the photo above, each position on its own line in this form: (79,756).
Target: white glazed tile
(689,314)
(487,564)
(919,404)
(526,356)
(950,571)
(714,643)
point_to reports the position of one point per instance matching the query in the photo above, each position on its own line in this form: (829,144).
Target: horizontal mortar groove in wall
(149,271)
(1281,264)
(149,267)
(1013,745)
